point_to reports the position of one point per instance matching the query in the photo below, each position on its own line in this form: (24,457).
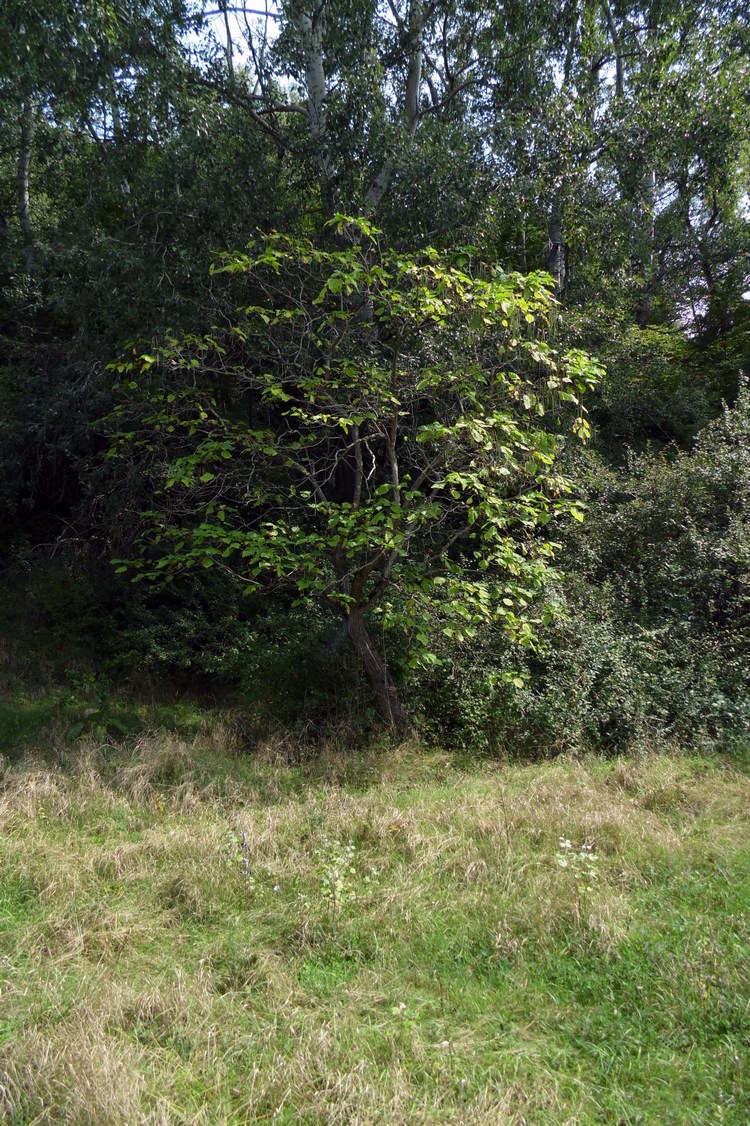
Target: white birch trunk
(410,117)
(312,27)
(23,194)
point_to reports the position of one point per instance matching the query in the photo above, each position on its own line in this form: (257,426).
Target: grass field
(189,934)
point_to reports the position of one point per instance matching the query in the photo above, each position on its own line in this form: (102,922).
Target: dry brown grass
(73,1073)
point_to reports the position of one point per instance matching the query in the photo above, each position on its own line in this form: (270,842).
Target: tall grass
(194,935)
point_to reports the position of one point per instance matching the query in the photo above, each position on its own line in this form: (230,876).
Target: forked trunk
(390,708)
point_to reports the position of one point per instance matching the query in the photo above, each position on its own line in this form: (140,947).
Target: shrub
(651,639)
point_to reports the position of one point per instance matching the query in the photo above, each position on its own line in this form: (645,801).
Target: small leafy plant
(338,874)
(238,855)
(336,871)
(581,861)
(401,468)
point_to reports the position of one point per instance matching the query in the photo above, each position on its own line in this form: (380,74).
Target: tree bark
(648,208)
(415,32)
(230,46)
(390,709)
(312,27)
(23,196)
(615,37)
(557,251)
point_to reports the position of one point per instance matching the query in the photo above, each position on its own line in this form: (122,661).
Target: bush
(651,639)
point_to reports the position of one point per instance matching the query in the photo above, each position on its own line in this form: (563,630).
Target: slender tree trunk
(643,312)
(390,708)
(648,211)
(23,197)
(410,115)
(312,27)
(619,62)
(557,251)
(230,46)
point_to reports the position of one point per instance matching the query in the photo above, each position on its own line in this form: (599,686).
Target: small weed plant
(338,874)
(581,861)
(238,855)
(336,871)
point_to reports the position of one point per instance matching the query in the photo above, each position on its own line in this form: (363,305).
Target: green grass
(52,721)
(186,936)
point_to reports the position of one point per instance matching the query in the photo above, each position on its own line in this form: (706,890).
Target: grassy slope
(175,947)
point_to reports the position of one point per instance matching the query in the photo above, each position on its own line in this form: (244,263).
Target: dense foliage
(371,435)
(596,154)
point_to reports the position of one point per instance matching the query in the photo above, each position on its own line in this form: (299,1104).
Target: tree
(348,88)
(373,430)
(82,69)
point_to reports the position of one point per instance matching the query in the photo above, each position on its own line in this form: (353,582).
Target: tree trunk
(390,708)
(619,62)
(23,198)
(643,311)
(410,116)
(312,28)
(647,218)
(557,251)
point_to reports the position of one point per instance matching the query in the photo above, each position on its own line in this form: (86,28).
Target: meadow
(193,932)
